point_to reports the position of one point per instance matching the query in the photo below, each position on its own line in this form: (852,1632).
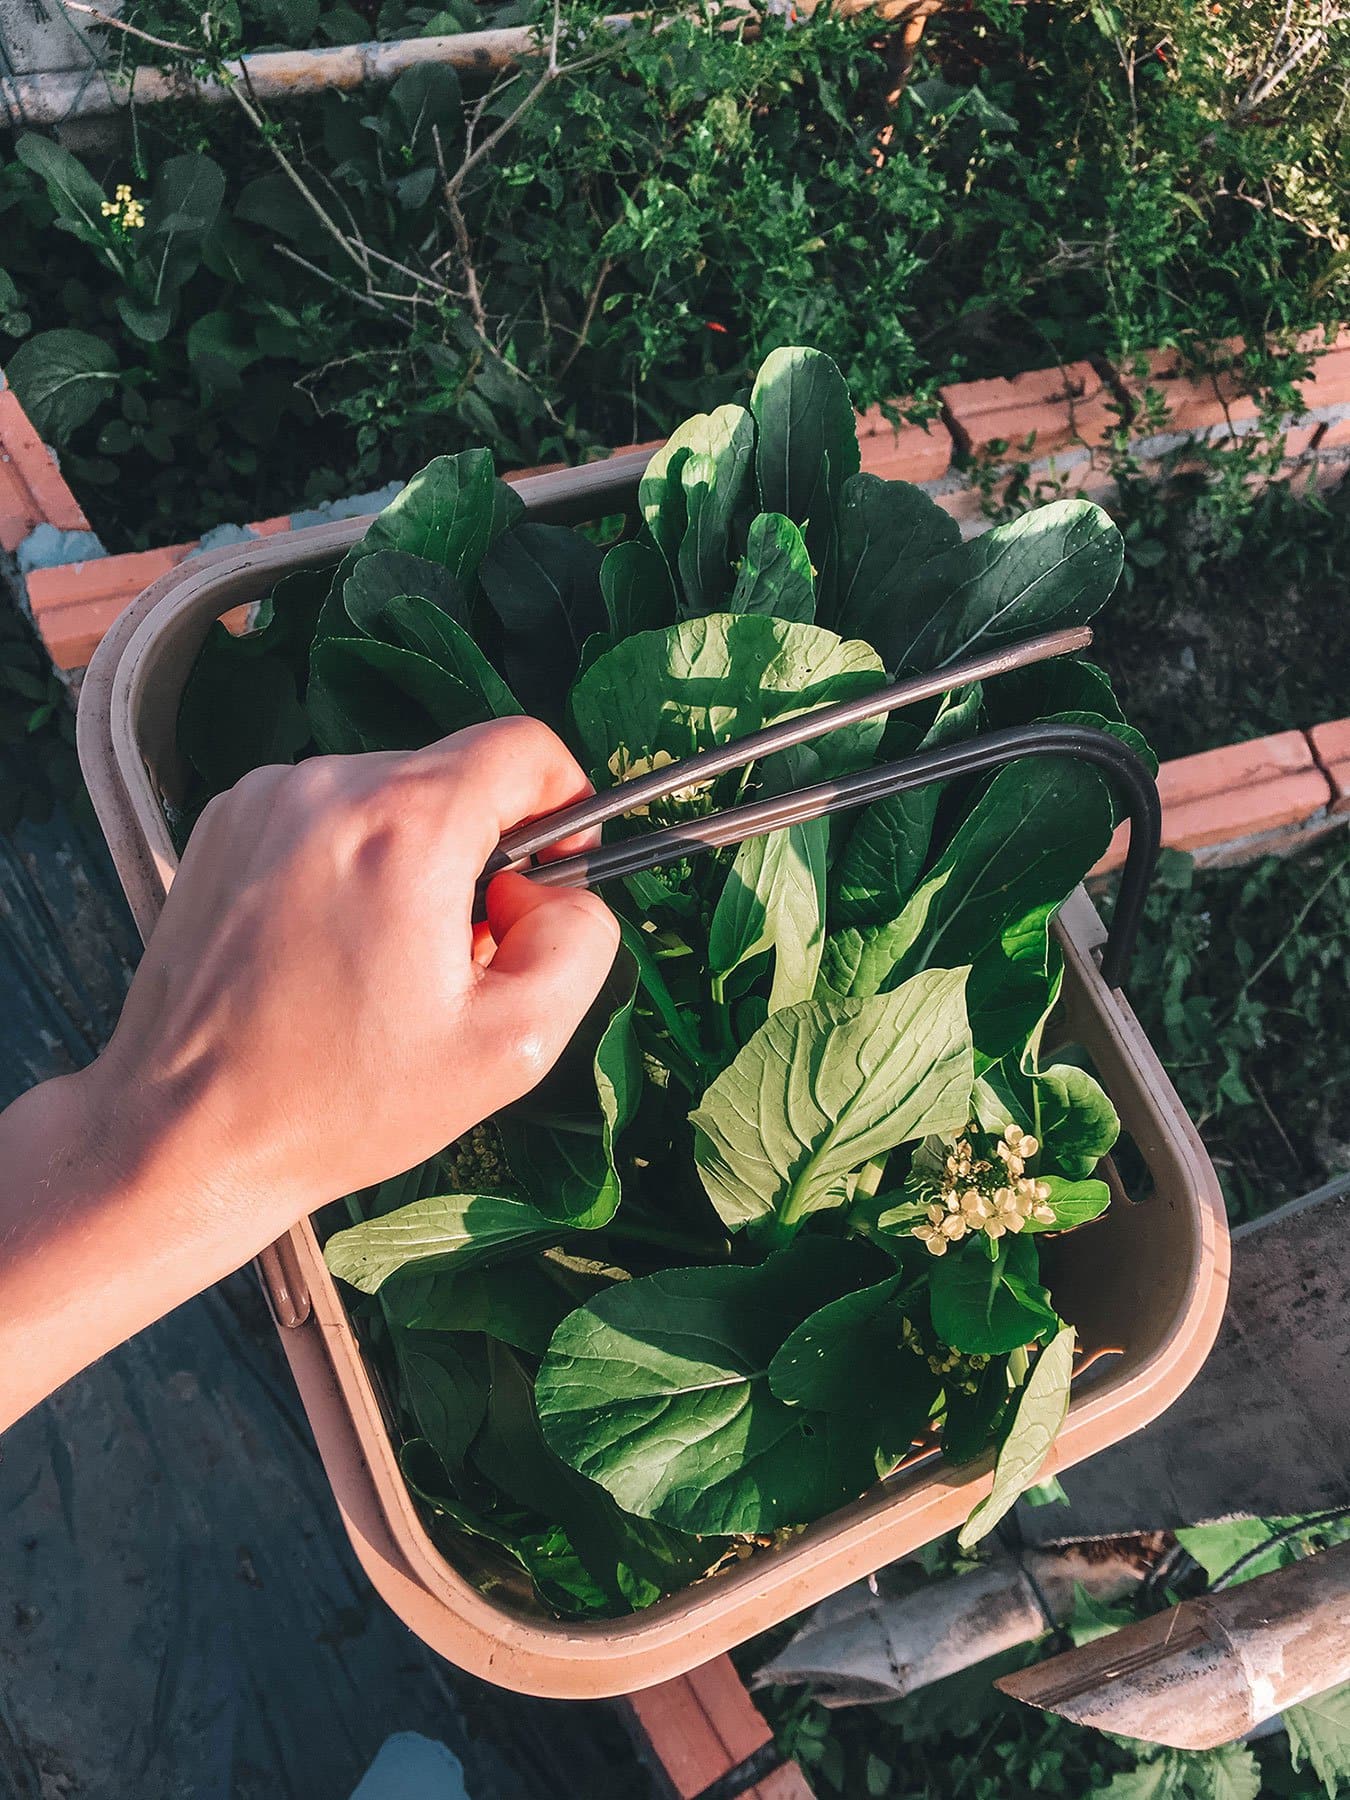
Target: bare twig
(588,317)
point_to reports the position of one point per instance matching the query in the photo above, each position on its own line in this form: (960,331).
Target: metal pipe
(1110,755)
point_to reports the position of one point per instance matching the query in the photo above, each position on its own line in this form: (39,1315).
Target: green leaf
(774,899)
(543,583)
(658,1389)
(367,695)
(74,193)
(690,493)
(570,1168)
(1075,1120)
(426,98)
(887,845)
(413,623)
(240,710)
(775,575)
(712,679)
(521,1303)
(384,575)
(887,531)
(1319,1733)
(713,482)
(184,206)
(435,1233)
(449,513)
(826,1085)
(61,378)
(1053,567)
(1031,837)
(1156,1780)
(1091,1619)
(970,1422)
(848,1357)
(635,583)
(1073,1202)
(806,450)
(1039,1413)
(149,323)
(1230,1773)
(1065,684)
(986,1305)
(445,1384)
(632,1560)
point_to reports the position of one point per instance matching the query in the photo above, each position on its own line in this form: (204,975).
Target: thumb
(555,947)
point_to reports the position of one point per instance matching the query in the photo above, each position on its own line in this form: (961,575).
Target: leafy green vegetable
(462,1229)
(775,575)
(989,1300)
(659,1390)
(760,1226)
(824,1086)
(682,690)
(1037,1417)
(1053,567)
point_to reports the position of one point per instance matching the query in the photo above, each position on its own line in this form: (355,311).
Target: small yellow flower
(126,212)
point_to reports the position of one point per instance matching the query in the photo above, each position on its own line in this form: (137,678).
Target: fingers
(513,770)
(555,947)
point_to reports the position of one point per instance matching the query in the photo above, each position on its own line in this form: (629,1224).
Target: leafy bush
(545,266)
(809,1120)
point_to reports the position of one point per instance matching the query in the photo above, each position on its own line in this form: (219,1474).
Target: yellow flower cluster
(993,1196)
(957,1371)
(624,767)
(126,212)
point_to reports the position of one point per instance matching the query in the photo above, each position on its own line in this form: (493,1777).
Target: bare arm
(314,1013)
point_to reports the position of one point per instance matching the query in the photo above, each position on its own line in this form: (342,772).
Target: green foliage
(733,1169)
(1238,972)
(629,244)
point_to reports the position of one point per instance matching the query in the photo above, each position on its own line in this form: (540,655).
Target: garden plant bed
(531,323)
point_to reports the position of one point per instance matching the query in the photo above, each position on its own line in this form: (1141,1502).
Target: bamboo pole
(1207,1671)
(866,1645)
(56,97)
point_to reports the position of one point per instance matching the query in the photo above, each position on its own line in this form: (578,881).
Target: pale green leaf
(441,1231)
(1039,1413)
(826,1085)
(775,575)
(1319,1733)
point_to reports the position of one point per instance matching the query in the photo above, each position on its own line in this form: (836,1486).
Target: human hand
(314,1012)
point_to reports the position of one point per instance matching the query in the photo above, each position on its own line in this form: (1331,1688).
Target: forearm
(99,1234)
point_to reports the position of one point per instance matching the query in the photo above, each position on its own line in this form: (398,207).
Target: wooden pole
(59,96)
(1206,1672)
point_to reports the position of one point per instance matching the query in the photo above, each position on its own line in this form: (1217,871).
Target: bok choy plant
(775,1217)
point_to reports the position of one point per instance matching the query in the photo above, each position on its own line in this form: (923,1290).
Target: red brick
(1237,792)
(32,490)
(1329,383)
(1053,408)
(705,1724)
(905,452)
(75,603)
(1331,746)
(1197,400)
